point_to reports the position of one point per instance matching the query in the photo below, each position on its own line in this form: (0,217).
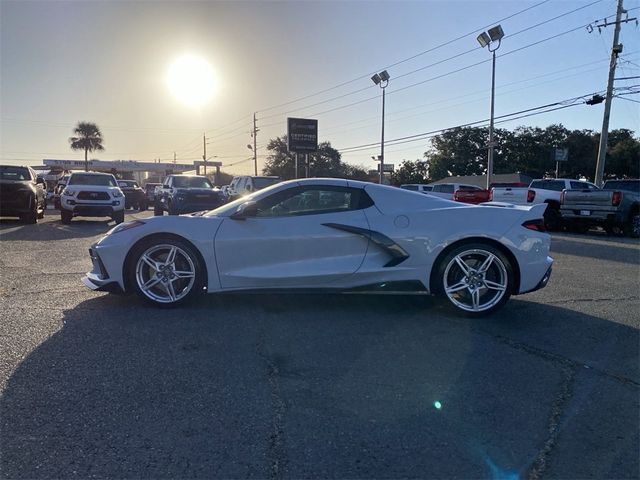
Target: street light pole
(486,39)
(382,80)
(382,140)
(491,142)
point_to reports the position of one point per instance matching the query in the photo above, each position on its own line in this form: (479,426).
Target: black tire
(118,217)
(500,272)
(552,218)
(577,227)
(157,210)
(632,227)
(65,216)
(142,206)
(171,209)
(196,288)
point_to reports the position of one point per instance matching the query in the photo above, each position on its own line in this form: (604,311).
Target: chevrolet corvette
(335,235)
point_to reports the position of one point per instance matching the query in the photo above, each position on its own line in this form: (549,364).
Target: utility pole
(174,158)
(255,149)
(204,152)
(604,133)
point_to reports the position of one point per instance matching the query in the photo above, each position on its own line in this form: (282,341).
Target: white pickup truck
(541,191)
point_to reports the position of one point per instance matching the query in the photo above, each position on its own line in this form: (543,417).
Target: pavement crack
(558,406)
(276,450)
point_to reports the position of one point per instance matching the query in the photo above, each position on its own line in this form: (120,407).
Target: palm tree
(88,138)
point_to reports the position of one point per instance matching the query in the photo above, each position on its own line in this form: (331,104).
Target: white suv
(90,194)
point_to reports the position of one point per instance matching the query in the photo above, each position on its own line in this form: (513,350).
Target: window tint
(427,188)
(443,188)
(90,179)
(629,185)
(261,182)
(311,200)
(581,186)
(468,188)
(410,187)
(191,182)
(14,173)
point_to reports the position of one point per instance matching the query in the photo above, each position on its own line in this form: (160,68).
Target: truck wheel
(552,219)
(118,217)
(632,227)
(142,206)
(65,217)
(157,210)
(172,209)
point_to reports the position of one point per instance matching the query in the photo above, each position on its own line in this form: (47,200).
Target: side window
(556,185)
(445,188)
(410,187)
(538,184)
(312,200)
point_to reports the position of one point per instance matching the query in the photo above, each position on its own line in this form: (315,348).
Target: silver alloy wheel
(475,280)
(165,273)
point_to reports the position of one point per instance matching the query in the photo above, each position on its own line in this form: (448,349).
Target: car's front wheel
(118,216)
(166,271)
(476,278)
(65,216)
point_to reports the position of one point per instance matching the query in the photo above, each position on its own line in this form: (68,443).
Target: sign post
(302,137)
(560,155)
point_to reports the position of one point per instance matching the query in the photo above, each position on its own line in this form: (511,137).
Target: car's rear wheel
(552,218)
(65,216)
(632,227)
(476,278)
(166,271)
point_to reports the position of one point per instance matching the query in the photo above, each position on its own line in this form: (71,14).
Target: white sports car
(332,234)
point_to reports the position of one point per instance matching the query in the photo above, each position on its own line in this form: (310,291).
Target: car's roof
(97,174)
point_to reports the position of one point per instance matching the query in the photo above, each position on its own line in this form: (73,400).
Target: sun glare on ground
(191,80)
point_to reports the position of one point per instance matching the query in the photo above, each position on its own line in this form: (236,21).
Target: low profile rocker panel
(397,253)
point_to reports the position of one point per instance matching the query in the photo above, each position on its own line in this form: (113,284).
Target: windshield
(229,208)
(262,182)
(629,185)
(127,184)
(14,173)
(91,179)
(191,182)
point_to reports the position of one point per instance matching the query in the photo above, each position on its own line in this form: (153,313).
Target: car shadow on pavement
(48,229)
(324,386)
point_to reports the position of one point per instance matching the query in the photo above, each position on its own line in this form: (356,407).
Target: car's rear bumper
(588,214)
(543,281)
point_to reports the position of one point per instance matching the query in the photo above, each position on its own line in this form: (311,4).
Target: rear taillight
(531,196)
(536,225)
(616,198)
(562,197)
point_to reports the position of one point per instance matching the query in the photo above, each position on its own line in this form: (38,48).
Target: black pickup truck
(186,194)
(22,193)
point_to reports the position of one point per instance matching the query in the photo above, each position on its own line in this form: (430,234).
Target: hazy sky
(106,62)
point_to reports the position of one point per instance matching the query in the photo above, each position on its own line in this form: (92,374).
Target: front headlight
(125,226)
(68,193)
(117,193)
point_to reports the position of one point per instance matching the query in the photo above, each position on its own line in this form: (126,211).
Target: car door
(294,239)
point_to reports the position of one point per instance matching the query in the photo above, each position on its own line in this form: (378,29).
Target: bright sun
(191,80)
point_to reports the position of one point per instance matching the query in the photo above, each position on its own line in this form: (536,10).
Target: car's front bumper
(92,209)
(98,278)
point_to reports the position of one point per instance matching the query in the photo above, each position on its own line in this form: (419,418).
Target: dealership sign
(302,134)
(561,154)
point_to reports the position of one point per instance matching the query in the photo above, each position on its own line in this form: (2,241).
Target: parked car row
(22,193)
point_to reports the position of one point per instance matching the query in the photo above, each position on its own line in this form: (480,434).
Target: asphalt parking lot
(96,385)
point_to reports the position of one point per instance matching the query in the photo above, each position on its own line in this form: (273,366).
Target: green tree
(88,138)
(326,162)
(410,171)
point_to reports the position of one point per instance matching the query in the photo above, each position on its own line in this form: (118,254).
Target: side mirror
(247,209)
(166,187)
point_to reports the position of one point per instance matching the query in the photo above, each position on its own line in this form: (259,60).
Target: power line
(419,136)
(406,59)
(435,63)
